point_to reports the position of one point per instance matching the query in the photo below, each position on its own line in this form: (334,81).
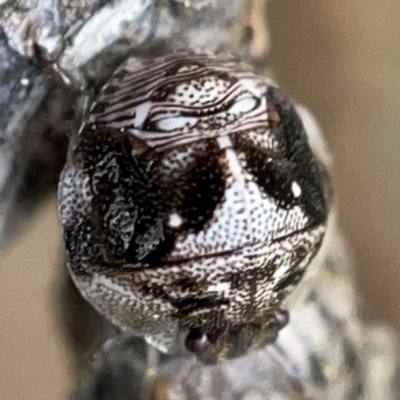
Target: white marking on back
(107,284)
(235,167)
(142,111)
(238,175)
(224,142)
(281,271)
(221,287)
(176,122)
(242,106)
(296,189)
(175,220)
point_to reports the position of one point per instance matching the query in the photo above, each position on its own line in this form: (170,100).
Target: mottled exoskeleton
(192,203)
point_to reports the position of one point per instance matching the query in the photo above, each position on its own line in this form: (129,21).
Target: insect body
(192,203)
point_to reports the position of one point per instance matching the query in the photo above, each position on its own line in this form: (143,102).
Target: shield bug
(192,203)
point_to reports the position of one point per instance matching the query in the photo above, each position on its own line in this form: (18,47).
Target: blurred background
(342,59)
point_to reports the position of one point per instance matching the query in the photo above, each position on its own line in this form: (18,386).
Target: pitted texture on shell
(179,100)
(192,199)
